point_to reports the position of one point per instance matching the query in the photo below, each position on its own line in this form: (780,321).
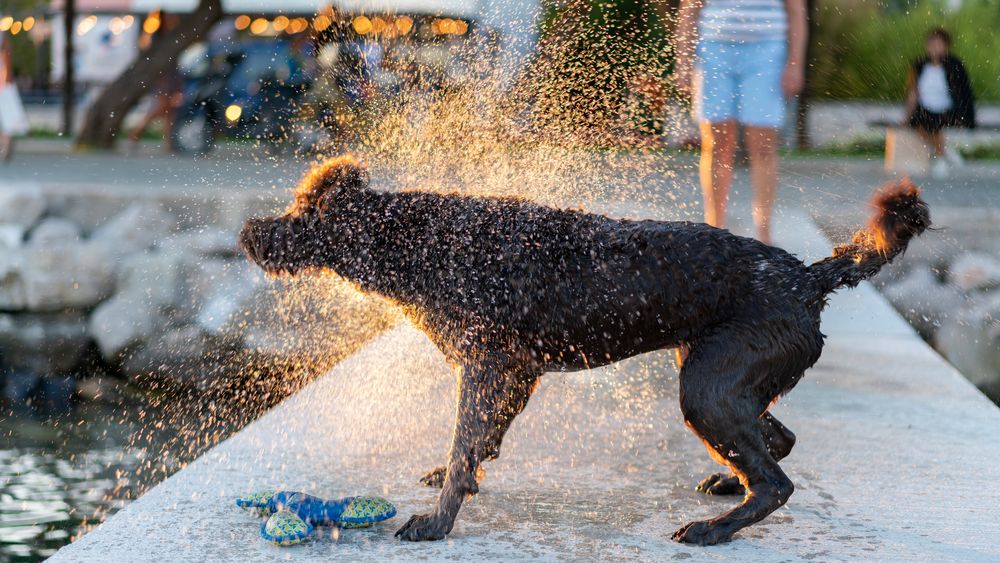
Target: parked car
(251,89)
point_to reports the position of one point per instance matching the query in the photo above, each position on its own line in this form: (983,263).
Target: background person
(743,57)
(938,95)
(168,93)
(13,120)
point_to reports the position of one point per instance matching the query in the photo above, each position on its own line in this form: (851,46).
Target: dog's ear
(343,176)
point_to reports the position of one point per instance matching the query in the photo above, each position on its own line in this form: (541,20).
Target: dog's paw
(719,484)
(435,477)
(424,527)
(702,533)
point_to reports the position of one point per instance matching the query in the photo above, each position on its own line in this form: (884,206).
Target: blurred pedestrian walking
(13,119)
(740,60)
(939,94)
(168,93)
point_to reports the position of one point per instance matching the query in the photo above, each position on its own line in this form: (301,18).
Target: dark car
(251,89)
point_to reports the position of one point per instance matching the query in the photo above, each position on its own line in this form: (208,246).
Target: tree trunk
(69,93)
(105,116)
(802,140)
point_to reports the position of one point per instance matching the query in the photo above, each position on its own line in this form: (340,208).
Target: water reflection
(60,474)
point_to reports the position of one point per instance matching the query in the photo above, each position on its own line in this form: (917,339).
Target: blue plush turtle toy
(292,516)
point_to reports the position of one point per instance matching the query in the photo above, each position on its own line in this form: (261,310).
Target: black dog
(508,290)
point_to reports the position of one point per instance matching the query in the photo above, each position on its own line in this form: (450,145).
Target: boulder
(206,241)
(13,289)
(136,228)
(970,339)
(217,291)
(19,386)
(101,388)
(157,274)
(923,300)
(975,271)
(123,322)
(21,206)
(11,236)
(181,357)
(51,343)
(54,230)
(62,276)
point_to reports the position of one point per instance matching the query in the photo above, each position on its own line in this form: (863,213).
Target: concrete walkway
(898,459)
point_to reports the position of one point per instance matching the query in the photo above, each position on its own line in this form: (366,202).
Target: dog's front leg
(478,397)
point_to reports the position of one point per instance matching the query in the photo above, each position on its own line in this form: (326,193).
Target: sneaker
(939,169)
(953,156)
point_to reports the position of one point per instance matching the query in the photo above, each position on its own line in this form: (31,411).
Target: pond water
(60,473)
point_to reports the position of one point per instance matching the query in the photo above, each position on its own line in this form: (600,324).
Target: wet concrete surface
(895,460)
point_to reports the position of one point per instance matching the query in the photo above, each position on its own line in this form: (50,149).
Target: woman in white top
(743,58)
(939,95)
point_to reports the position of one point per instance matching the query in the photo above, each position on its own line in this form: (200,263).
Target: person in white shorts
(742,59)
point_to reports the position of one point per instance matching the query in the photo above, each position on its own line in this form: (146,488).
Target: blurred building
(109,33)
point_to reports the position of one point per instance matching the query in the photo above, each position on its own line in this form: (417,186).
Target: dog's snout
(251,236)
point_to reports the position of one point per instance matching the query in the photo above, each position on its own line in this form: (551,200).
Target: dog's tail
(899,216)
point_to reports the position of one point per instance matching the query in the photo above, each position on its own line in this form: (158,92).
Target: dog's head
(308,234)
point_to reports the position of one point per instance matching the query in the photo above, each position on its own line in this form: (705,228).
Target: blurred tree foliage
(591,53)
(864,50)
(24,52)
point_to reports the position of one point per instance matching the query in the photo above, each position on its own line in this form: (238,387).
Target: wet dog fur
(508,290)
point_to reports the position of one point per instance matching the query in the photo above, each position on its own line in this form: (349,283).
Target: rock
(103,389)
(11,236)
(124,321)
(55,277)
(183,357)
(157,274)
(13,288)
(55,394)
(975,271)
(136,228)
(21,206)
(54,230)
(19,387)
(65,276)
(50,343)
(206,241)
(970,339)
(923,300)
(216,292)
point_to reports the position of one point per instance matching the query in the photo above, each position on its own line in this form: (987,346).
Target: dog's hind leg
(719,382)
(779,440)
(480,387)
(517,390)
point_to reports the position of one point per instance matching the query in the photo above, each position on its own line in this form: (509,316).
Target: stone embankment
(948,288)
(149,289)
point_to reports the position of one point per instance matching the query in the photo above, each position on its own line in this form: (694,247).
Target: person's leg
(718,143)
(762,145)
(172,102)
(929,137)
(937,142)
(6,147)
(136,133)
(716,101)
(762,112)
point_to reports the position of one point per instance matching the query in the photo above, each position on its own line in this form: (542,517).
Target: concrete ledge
(898,458)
